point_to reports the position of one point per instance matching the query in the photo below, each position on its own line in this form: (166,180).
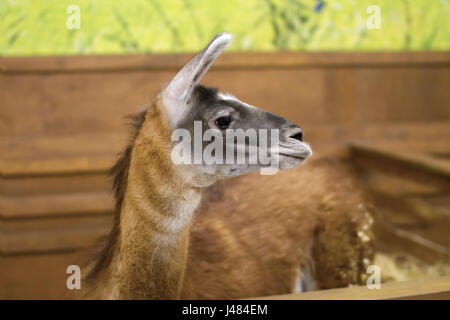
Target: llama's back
(254,234)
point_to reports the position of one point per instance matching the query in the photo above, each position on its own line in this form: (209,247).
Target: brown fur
(244,240)
(249,241)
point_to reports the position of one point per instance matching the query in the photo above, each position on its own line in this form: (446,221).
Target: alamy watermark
(74,280)
(374,280)
(74,18)
(374,20)
(235,147)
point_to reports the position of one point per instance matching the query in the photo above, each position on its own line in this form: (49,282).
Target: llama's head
(215,135)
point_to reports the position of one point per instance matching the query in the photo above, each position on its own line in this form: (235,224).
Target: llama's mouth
(293,156)
(299,151)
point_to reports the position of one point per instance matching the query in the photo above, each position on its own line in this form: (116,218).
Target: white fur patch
(173,225)
(226,96)
(230,97)
(304,281)
(305,276)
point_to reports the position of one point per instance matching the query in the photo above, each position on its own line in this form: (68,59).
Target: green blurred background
(38,27)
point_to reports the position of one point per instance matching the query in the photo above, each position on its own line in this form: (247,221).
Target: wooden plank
(393,239)
(54,184)
(420,161)
(396,187)
(53,166)
(52,240)
(227,61)
(39,205)
(49,223)
(96,143)
(417,289)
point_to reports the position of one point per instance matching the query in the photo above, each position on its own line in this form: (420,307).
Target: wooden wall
(61,124)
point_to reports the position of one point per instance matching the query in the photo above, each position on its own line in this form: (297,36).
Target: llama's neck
(154,226)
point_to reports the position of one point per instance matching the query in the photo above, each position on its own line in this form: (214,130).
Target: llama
(183,231)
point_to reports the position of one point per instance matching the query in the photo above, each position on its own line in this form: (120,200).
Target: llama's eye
(223,122)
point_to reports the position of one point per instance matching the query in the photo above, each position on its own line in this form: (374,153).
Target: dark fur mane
(119,173)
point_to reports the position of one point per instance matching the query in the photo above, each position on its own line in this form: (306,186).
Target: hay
(403,267)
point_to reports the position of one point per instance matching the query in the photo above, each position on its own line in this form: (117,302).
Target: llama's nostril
(298,136)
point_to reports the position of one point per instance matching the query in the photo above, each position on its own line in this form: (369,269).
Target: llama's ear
(177,95)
